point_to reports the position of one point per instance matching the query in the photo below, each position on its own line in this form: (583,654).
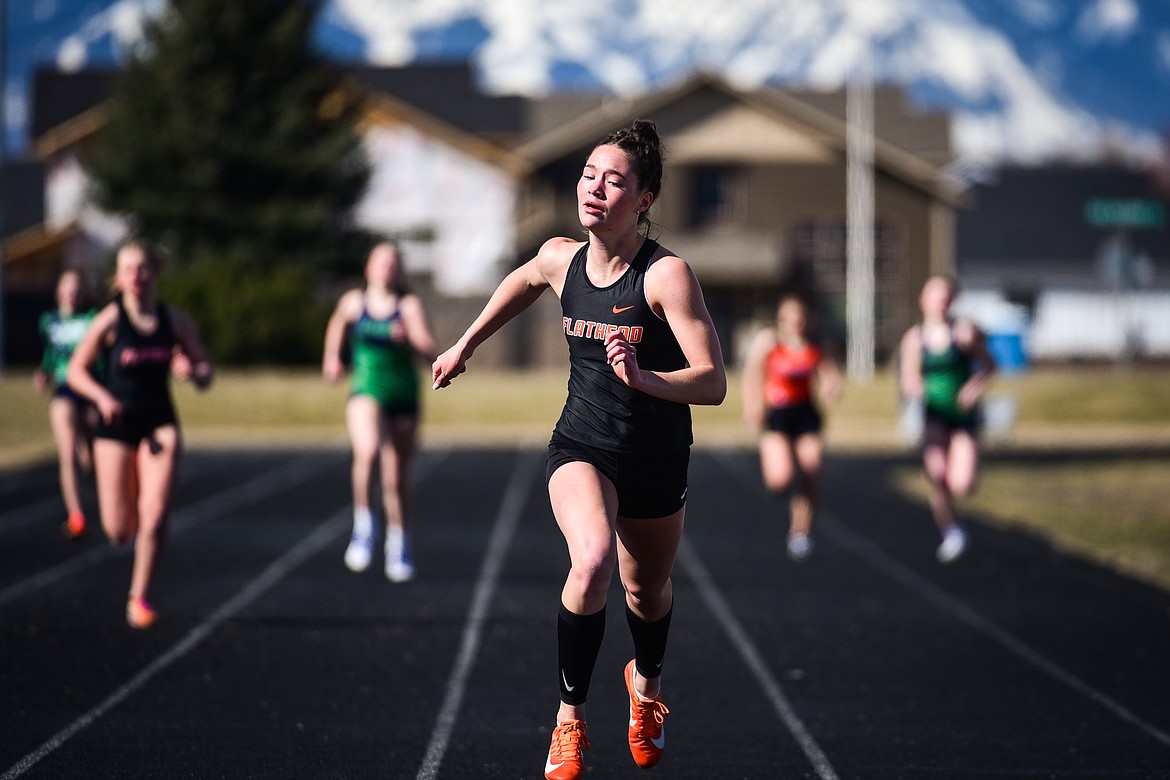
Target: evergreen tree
(229,141)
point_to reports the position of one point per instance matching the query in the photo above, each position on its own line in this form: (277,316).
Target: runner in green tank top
(943,376)
(71,417)
(945,365)
(383,363)
(387,328)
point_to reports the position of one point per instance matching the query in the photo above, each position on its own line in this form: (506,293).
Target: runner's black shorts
(971,422)
(135,425)
(794,421)
(648,485)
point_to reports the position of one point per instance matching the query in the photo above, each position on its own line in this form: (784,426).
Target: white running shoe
(799,547)
(399,567)
(953,544)
(360,552)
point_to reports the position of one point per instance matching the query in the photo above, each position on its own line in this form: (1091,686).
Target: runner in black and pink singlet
(137,443)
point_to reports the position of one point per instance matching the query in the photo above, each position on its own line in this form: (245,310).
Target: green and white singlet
(383,363)
(943,374)
(61,335)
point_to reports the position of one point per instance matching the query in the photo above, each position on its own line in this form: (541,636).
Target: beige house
(754,196)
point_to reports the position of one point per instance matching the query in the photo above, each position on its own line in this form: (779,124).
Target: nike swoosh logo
(616,310)
(549,766)
(565,680)
(661,741)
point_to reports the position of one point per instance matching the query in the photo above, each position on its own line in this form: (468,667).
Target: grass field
(1111,508)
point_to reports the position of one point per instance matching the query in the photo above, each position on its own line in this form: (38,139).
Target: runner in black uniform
(641,349)
(137,442)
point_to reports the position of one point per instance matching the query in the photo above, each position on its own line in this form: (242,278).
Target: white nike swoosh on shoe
(565,680)
(661,741)
(549,766)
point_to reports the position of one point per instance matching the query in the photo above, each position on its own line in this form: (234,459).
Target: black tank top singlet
(138,365)
(601,411)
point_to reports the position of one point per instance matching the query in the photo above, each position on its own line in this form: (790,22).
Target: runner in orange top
(784,376)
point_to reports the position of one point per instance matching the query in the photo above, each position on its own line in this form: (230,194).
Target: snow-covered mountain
(1025,80)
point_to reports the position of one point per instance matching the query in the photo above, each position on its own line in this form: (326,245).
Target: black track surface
(869,660)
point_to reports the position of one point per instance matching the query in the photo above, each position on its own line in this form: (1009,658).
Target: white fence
(1070,324)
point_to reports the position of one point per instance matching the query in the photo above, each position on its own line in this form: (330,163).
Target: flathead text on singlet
(588,329)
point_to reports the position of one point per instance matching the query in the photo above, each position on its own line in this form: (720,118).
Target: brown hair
(644,149)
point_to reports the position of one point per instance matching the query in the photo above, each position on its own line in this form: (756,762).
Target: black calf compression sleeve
(578,642)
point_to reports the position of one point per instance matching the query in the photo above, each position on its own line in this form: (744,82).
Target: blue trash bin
(1007,347)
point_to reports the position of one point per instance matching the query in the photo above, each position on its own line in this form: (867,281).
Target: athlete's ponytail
(642,145)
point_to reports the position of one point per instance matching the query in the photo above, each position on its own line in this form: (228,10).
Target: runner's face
(382,265)
(936,296)
(134,275)
(608,192)
(791,318)
(68,290)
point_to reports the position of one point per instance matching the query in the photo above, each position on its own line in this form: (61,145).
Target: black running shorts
(793,421)
(134,426)
(648,484)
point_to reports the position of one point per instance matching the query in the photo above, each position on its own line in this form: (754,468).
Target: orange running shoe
(74,526)
(564,755)
(647,724)
(139,614)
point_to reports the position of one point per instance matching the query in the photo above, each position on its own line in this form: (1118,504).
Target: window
(820,255)
(714,195)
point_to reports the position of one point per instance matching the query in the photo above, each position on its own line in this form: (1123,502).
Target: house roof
(442,99)
(772,124)
(23,195)
(380,107)
(448,92)
(60,97)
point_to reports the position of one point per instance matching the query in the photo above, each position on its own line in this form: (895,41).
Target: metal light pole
(859,271)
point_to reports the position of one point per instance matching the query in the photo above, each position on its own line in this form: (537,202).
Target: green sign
(1125,213)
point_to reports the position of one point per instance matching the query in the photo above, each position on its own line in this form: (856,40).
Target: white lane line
(754,661)
(40,511)
(316,541)
(31,514)
(511,508)
(872,554)
(929,592)
(217,505)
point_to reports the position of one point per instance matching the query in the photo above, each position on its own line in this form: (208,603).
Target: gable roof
(441,99)
(786,129)
(449,92)
(22,194)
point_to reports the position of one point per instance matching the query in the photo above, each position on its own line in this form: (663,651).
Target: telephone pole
(859,248)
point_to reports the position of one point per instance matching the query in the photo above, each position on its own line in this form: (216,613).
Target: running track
(273,661)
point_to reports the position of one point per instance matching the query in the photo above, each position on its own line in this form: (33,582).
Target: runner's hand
(447,366)
(623,356)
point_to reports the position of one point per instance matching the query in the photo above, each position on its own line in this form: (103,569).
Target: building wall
(455,214)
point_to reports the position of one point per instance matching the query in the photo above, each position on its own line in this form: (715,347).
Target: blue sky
(1108,57)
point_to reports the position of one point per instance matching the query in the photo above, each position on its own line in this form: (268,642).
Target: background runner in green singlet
(387,328)
(70,415)
(946,366)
